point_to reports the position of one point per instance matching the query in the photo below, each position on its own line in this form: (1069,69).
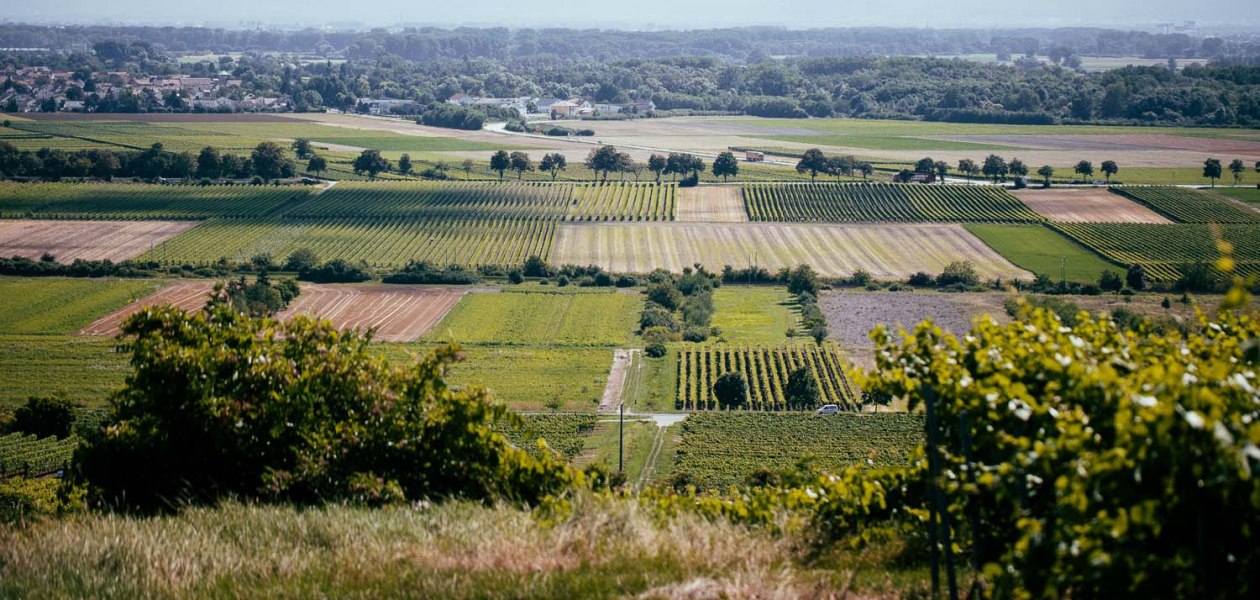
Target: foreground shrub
(223,405)
(1091,462)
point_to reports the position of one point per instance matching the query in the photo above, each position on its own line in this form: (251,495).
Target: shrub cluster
(426,272)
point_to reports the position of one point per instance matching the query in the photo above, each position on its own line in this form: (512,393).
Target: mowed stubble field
(884,250)
(87,240)
(1090,205)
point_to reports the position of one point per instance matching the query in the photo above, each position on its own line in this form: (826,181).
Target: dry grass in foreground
(607,549)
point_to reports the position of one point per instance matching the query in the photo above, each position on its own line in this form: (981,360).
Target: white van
(828,409)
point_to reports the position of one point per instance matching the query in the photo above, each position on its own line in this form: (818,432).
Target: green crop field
(127,201)
(540,318)
(765,371)
(720,450)
(1251,195)
(30,455)
(63,306)
(388,242)
(1187,206)
(1043,251)
(84,369)
(1163,249)
(527,378)
(891,142)
(754,315)
(844,203)
(438,200)
(565,433)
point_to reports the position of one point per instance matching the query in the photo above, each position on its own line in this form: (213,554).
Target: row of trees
(267,161)
(1212,169)
(815,162)
(606,160)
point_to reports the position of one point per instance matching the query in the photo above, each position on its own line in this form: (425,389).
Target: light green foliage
(513,318)
(1186,205)
(58,306)
(23,500)
(221,404)
(720,450)
(564,432)
(846,202)
(1095,454)
(753,315)
(1042,251)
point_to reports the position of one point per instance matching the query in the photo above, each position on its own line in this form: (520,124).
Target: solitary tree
(730,390)
(925,165)
(268,160)
(603,161)
(520,163)
(370,162)
(467,166)
(404,164)
(656,164)
(302,147)
(1212,169)
(725,165)
(1085,169)
(1046,172)
(1237,167)
(995,167)
(968,167)
(1135,277)
(812,161)
(553,163)
(1109,168)
(942,169)
(865,169)
(801,390)
(316,164)
(500,162)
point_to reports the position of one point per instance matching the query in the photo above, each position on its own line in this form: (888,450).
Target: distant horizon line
(360,27)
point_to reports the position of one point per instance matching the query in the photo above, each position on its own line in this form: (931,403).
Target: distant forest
(863,73)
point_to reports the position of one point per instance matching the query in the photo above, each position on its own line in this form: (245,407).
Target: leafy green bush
(336,271)
(1091,462)
(44,417)
(223,405)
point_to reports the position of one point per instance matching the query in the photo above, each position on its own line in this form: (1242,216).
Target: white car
(828,409)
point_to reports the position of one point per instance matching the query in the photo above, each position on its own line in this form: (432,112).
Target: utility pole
(621,436)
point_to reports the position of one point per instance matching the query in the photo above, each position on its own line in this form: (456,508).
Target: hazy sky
(642,14)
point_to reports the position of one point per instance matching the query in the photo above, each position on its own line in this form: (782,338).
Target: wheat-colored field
(887,251)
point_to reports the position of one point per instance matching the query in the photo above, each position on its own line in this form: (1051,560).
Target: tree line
(268,161)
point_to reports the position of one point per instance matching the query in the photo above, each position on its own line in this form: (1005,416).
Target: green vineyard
(382,242)
(865,203)
(615,201)
(765,370)
(136,201)
(1163,249)
(723,450)
(27,455)
(564,432)
(1187,206)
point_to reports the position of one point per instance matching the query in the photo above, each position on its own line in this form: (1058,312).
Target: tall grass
(605,549)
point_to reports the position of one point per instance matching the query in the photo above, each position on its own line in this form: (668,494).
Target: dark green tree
(209,163)
(801,391)
(404,164)
(1237,167)
(730,389)
(1212,169)
(813,162)
(1085,169)
(316,164)
(302,148)
(521,163)
(725,165)
(370,162)
(553,163)
(1046,172)
(269,161)
(1109,168)
(656,164)
(995,168)
(44,417)
(500,163)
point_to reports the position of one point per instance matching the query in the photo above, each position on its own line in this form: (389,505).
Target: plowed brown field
(711,204)
(399,313)
(190,294)
(1091,205)
(89,240)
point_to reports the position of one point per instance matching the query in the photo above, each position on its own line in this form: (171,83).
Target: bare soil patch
(711,204)
(400,313)
(190,294)
(887,251)
(1091,205)
(851,315)
(88,240)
